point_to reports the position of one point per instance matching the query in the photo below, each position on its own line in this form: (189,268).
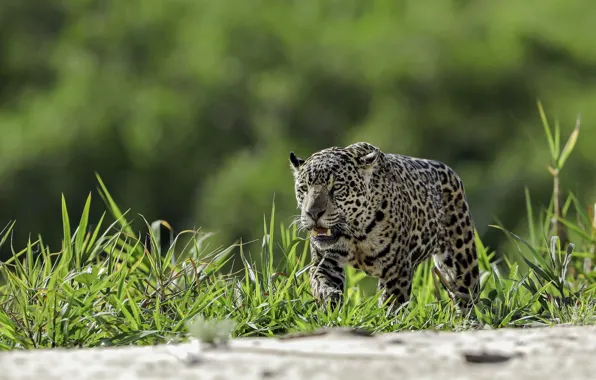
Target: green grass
(111,285)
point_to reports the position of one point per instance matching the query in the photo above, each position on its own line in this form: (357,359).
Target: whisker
(294,219)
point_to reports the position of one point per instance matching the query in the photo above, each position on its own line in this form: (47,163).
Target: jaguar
(384,214)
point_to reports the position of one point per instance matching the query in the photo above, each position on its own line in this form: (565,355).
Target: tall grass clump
(558,284)
(112,285)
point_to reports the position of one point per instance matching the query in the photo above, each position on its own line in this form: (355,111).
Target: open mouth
(322,234)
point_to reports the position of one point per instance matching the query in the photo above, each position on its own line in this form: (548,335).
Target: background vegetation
(187,109)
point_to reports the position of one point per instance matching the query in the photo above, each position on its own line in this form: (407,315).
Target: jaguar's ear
(369,160)
(295,162)
(368,164)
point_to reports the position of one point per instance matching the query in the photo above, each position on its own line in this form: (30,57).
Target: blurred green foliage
(188,108)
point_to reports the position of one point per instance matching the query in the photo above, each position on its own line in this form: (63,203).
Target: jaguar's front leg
(396,283)
(327,277)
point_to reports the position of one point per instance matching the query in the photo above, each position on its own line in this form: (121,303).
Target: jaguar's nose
(317,204)
(315,212)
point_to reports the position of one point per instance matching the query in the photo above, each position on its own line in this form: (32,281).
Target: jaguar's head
(332,189)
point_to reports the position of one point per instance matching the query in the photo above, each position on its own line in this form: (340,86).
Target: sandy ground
(539,353)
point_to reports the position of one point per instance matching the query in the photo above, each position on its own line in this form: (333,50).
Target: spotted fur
(386,213)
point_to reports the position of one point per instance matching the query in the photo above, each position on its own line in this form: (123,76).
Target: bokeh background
(188,108)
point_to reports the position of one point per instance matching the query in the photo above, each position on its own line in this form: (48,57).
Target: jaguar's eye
(335,188)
